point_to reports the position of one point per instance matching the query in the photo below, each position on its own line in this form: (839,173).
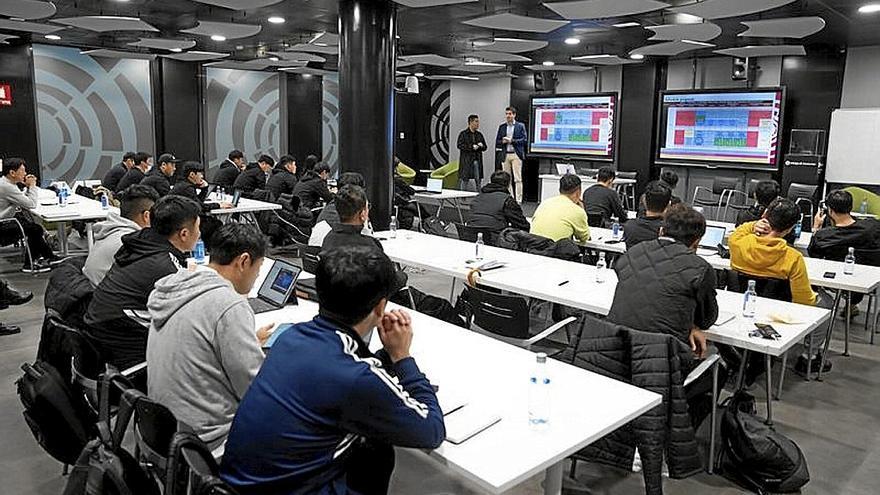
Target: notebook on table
(277,289)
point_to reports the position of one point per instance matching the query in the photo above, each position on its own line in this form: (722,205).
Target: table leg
(768,360)
(452,291)
(809,358)
(828,335)
(782,375)
(742,369)
(62,237)
(553,479)
(457,204)
(847,325)
(714,415)
(90,235)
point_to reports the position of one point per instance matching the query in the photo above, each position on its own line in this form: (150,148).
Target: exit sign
(5,95)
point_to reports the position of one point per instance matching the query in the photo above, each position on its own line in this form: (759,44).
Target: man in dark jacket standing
(114,175)
(136,173)
(511,140)
(115,318)
(283,177)
(161,176)
(602,201)
(494,209)
(312,187)
(254,178)
(647,226)
(229,170)
(471,145)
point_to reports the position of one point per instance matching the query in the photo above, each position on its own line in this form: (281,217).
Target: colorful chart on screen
(573,125)
(733,127)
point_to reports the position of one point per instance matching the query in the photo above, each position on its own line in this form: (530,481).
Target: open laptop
(565,168)
(711,239)
(236,197)
(277,289)
(434,186)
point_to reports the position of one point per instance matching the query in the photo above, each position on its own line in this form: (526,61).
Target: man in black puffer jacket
(254,178)
(283,178)
(312,187)
(494,209)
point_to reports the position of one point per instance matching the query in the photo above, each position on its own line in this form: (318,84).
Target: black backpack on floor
(61,420)
(757,456)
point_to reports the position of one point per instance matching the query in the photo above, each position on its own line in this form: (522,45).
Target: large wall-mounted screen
(573,125)
(733,127)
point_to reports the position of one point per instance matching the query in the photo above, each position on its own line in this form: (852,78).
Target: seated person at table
(136,173)
(116,317)
(16,203)
(202,350)
(354,212)
(161,177)
(668,178)
(602,201)
(759,249)
(115,174)
(312,187)
(325,421)
(563,216)
(194,186)
(329,217)
(283,178)
(765,192)
(494,209)
(254,178)
(647,227)
(229,170)
(134,215)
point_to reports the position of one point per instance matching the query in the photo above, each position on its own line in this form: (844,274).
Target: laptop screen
(236,197)
(713,237)
(564,168)
(279,283)
(435,185)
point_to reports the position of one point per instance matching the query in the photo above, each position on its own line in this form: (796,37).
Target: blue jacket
(520,137)
(320,390)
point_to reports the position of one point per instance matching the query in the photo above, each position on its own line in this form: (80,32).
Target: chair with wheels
(14,225)
(714,197)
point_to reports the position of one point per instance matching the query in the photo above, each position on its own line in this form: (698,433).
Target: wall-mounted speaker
(743,69)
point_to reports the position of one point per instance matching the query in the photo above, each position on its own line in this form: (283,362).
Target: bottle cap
(542,357)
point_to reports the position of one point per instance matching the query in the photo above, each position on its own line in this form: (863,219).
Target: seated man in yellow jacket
(563,216)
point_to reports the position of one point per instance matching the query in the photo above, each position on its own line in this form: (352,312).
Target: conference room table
(510,451)
(575,285)
(451,197)
(78,208)
(550,184)
(246,209)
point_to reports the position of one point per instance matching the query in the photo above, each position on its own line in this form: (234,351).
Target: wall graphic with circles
(90,111)
(241,112)
(439,137)
(330,123)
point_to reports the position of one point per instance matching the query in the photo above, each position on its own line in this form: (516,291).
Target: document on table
(468,421)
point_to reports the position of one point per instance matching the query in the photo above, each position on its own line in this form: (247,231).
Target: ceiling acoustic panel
(497,57)
(790,27)
(669,48)
(106,23)
(240,4)
(703,31)
(27,9)
(514,22)
(430,59)
(557,68)
(429,3)
(306,47)
(325,38)
(514,45)
(196,56)
(256,64)
(600,9)
(163,44)
(479,69)
(299,56)
(28,27)
(103,52)
(721,9)
(603,59)
(764,51)
(228,29)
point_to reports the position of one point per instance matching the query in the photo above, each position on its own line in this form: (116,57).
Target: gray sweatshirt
(202,350)
(12,198)
(108,240)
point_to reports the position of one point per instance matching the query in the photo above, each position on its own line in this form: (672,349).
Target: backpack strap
(108,380)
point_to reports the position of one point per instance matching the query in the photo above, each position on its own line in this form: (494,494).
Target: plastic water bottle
(750,301)
(62,197)
(478,247)
(863,209)
(105,202)
(392,226)
(615,229)
(798,227)
(849,263)
(539,394)
(600,269)
(199,253)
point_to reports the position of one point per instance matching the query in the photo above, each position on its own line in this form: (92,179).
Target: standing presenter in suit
(511,139)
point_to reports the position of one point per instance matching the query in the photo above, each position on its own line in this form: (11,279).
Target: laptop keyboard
(260,306)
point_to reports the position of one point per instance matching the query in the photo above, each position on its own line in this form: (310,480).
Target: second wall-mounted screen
(573,125)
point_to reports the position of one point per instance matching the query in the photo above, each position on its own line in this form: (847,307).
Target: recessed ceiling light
(276,19)
(588,57)
(548,63)
(637,56)
(274,59)
(698,43)
(870,8)
(177,50)
(626,24)
(572,41)
(419,74)
(218,37)
(53,37)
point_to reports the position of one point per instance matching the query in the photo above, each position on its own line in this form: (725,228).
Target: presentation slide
(573,125)
(732,127)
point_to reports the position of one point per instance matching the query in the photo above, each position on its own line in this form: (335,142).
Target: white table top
(246,205)
(78,208)
(444,194)
(587,180)
(508,452)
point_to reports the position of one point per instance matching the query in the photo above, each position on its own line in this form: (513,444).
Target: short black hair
(129,156)
(684,224)
(350,200)
(234,239)
(284,160)
(657,196)
(11,165)
(511,110)
(321,167)
(235,155)
(172,213)
(569,183)
(782,214)
(190,167)
(766,191)
(605,174)
(351,280)
(266,159)
(353,178)
(310,162)
(669,177)
(141,157)
(136,199)
(839,201)
(472,117)
(501,178)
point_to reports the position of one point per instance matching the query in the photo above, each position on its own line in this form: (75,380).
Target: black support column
(305,114)
(367,45)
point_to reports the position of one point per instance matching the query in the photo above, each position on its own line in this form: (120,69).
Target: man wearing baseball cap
(160,177)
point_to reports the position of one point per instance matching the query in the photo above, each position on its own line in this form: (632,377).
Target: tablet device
(713,237)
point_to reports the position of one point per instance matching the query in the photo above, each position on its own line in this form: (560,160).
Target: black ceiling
(439,29)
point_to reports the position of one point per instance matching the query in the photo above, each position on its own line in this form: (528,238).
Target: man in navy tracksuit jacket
(323,413)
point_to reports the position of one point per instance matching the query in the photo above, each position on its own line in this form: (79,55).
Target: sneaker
(57,260)
(801,365)
(36,267)
(9,329)
(12,297)
(854,312)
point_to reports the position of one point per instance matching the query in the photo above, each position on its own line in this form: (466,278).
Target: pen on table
(563,283)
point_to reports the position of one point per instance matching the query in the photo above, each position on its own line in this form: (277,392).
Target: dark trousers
(34,233)
(368,468)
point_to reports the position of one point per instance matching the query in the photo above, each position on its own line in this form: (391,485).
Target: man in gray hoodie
(134,215)
(202,351)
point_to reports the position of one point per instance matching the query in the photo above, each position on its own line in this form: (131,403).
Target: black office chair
(595,220)
(192,469)
(803,196)
(590,172)
(469,234)
(506,317)
(627,192)
(155,426)
(310,256)
(714,197)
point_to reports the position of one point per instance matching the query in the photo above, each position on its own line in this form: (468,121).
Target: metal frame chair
(721,188)
(803,194)
(627,192)
(469,234)
(192,468)
(23,240)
